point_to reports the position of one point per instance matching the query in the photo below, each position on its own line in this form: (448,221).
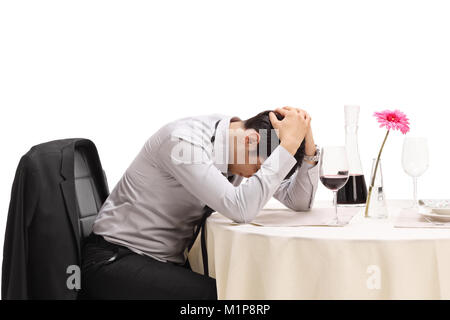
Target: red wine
(333,182)
(354,191)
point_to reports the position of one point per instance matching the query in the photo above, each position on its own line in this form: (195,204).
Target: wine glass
(415,160)
(334,171)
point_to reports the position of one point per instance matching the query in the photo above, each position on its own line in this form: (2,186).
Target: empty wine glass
(415,160)
(334,171)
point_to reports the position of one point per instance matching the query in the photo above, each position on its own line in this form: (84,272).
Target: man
(140,240)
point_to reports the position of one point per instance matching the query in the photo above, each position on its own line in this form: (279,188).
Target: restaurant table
(366,259)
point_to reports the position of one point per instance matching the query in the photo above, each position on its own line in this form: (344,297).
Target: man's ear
(252,140)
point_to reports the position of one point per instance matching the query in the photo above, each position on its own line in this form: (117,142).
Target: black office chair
(58,190)
(91,187)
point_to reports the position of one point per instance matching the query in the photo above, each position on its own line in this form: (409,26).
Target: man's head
(252,141)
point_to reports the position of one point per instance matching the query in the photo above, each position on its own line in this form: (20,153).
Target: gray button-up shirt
(154,208)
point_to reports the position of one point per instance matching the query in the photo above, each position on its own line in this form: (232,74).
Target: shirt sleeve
(204,181)
(298,192)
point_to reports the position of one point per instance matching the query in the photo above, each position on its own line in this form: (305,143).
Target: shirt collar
(221,145)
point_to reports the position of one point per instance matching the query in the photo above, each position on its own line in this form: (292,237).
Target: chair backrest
(90,186)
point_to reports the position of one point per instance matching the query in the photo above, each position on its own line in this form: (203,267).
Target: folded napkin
(407,218)
(314,217)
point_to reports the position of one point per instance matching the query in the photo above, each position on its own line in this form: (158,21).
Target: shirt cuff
(308,165)
(282,161)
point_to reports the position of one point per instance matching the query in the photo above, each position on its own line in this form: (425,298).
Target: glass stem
(415,205)
(335,206)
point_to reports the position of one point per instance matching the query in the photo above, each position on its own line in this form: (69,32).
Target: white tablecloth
(367,259)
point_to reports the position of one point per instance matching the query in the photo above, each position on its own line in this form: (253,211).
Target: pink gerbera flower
(395,120)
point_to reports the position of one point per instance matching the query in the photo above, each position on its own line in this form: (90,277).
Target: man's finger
(308,121)
(288,108)
(298,110)
(302,113)
(274,120)
(283,112)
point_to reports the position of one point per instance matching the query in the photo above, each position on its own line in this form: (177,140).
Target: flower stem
(372,182)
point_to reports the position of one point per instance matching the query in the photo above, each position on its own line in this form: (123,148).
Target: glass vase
(376,197)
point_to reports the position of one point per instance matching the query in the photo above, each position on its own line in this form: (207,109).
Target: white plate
(437,217)
(441,211)
(441,207)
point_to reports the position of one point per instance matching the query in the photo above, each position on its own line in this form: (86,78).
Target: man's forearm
(310,146)
(297,193)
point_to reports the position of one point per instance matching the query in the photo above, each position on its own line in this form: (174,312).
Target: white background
(115,71)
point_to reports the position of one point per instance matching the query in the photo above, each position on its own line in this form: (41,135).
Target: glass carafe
(355,191)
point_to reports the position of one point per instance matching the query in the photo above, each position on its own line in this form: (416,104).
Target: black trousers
(110,271)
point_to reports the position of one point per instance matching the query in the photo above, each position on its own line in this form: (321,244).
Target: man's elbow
(245,216)
(240,220)
(300,206)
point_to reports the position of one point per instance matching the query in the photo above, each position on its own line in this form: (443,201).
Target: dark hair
(262,121)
